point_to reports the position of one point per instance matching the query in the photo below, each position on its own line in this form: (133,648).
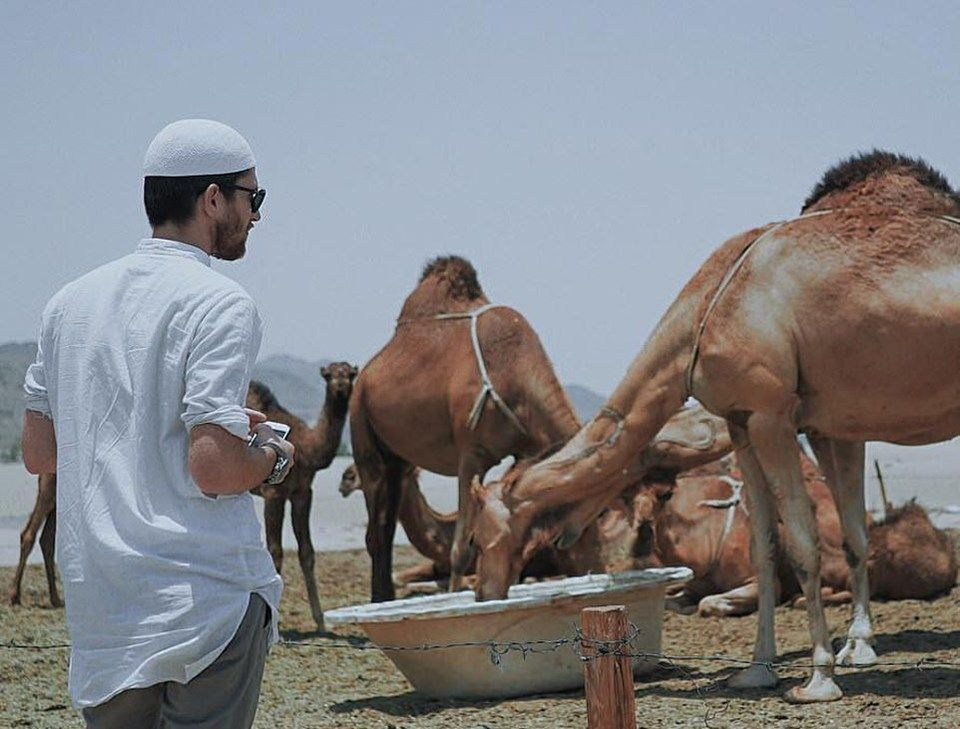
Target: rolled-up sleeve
(220,363)
(35,383)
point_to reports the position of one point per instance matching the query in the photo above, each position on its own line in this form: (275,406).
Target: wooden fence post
(608,678)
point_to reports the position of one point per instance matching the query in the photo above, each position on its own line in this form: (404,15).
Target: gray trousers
(225,694)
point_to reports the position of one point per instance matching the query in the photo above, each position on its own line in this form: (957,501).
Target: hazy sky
(585,156)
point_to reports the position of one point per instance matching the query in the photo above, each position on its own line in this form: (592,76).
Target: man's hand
(264,434)
(256,417)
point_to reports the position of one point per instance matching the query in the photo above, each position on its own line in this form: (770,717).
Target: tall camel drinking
(460,386)
(843,323)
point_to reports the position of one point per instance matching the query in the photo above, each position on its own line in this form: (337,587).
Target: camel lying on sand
(691,438)
(316,448)
(44,515)
(700,521)
(843,323)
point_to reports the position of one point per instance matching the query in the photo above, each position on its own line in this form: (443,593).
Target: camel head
(259,397)
(339,377)
(350,480)
(499,548)
(650,499)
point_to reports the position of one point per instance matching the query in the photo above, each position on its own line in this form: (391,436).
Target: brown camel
(316,448)
(44,515)
(460,386)
(700,521)
(692,437)
(843,323)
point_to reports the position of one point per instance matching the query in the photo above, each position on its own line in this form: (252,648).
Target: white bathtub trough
(544,611)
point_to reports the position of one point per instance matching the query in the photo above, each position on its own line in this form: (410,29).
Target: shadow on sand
(906,682)
(413,703)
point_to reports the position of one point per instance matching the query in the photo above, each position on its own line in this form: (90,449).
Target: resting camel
(692,437)
(843,323)
(700,521)
(460,386)
(44,515)
(316,448)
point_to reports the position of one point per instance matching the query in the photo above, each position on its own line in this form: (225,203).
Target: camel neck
(327,432)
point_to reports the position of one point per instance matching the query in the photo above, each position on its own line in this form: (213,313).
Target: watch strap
(277,474)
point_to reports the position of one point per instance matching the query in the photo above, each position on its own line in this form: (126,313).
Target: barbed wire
(621,647)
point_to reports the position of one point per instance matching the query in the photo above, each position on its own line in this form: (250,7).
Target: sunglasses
(256,196)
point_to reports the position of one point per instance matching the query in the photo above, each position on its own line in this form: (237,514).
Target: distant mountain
(296,382)
(15,357)
(585,401)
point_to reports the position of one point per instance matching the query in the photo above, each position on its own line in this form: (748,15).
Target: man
(135,400)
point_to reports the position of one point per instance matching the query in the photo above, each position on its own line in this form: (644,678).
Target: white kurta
(156,575)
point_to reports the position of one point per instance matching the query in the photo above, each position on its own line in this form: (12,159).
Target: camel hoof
(857,652)
(756,676)
(14,598)
(714,606)
(820,689)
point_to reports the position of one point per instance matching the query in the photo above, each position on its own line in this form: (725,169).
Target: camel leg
(45,503)
(763,548)
(273,506)
(382,487)
(48,543)
(842,464)
(300,516)
(738,601)
(462,552)
(774,441)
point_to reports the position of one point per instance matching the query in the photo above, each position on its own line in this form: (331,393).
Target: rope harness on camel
(738,263)
(730,504)
(487,390)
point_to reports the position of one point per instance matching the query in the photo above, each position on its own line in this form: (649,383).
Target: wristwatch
(279,468)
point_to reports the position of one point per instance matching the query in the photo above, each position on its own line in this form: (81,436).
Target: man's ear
(209,201)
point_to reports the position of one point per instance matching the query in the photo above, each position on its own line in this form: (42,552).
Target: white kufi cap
(197,147)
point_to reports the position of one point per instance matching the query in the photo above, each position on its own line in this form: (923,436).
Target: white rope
(487,389)
(725,281)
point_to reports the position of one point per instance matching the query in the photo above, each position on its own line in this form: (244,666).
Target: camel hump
(458,273)
(264,396)
(859,167)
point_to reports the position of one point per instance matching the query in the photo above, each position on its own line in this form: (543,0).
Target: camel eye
(664,496)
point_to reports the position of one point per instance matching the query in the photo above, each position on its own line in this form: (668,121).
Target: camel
(700,521)
(461,385)
(316,448)
(44,515)
(691,438)
(843,323)
(429,531)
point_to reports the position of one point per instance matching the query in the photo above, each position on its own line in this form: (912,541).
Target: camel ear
(476,491)
(353,371)
(568,537)
(325,372)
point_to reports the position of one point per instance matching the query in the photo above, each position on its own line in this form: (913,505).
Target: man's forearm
(222,464)
(38,443)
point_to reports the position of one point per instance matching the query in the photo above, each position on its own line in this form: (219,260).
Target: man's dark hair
(174,199)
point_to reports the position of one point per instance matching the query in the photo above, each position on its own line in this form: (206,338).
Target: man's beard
(229,243)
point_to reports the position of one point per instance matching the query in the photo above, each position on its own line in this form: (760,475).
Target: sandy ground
(327,685)
(321,685)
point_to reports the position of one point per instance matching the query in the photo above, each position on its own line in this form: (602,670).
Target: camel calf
(699,521)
